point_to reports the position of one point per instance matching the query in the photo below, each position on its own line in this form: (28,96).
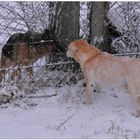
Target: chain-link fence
(36,59)
(125,16)
(45,65)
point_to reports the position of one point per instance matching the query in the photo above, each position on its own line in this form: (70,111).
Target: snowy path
(108,117)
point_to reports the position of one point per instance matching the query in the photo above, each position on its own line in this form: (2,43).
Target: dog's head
(80,50)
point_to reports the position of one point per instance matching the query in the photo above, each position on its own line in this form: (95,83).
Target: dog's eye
(67,49)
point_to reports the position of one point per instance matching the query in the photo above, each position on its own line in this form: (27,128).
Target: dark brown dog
(23,53)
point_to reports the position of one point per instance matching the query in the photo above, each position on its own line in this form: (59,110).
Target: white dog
(106,71)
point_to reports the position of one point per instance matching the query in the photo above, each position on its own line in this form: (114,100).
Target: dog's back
(15,39)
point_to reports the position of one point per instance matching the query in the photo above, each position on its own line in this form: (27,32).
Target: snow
(65,116)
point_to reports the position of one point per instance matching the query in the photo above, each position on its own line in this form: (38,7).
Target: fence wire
(125,16)
(21,17)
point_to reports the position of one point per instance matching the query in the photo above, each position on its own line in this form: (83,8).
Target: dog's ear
(73,47)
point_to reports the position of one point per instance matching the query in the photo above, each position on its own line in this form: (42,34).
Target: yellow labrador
(104,70)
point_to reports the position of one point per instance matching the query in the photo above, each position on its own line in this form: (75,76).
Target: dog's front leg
(137,103)
(90,84)
(88,93)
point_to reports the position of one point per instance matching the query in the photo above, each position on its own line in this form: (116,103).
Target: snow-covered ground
(64,115)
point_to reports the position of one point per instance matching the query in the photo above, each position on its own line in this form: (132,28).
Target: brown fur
(24,55)
(104,70)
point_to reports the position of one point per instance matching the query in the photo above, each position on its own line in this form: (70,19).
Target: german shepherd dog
(23,49)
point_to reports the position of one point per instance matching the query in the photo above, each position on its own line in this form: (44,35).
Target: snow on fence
(21,17)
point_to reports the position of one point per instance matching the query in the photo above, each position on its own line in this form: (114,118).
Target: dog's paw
(136,114)
(87,102)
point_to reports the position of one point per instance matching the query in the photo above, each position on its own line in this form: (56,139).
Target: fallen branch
(65,121)
(41,96)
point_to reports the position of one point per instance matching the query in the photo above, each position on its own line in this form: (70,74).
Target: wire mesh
(125,16)
(22,17)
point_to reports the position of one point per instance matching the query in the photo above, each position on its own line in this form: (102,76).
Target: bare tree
(98,23)
(24,16)
(65,23)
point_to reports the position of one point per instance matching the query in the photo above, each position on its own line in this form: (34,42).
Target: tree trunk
(99,25)
(65,22)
